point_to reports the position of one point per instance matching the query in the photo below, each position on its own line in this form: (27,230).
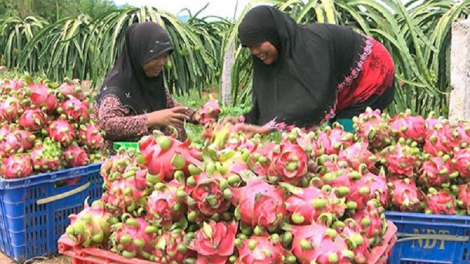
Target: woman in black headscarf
(133,100)
(304,75)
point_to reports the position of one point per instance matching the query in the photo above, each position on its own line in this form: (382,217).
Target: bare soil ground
(38,260)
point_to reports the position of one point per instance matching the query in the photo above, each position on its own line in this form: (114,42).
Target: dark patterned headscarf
(299,88)
(127,80)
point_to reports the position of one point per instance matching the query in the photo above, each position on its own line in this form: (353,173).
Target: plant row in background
(417,33)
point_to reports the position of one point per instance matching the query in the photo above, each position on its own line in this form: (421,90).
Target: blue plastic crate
(436,239)
(34,210)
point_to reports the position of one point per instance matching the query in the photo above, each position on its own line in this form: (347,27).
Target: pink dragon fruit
(17,140)
(289,162)
(461,162)
(401,159)
(92,226)
(437,171)
(208,196)
(371,220)
(75,156)
(16,166)
(170,248)
(32,119)
(133,238)
(405,125)
(71,88)
(320,244)
(61,131)
(440,140)
(357,155)
(90,135)
(406,197)
(74,109)
(43,97)
(357,243)
(209,112)
(163,206)
(125,195)
(305,205)
(331,141)
(462,129)
(114,167)
(259,203)
(440,202)
(463,199)
(10,109)
(47,156)
(214,242)
(260,250)
(372,126)
(163,155)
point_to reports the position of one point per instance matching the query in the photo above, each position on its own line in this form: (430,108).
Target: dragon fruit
(71,87)
(209,111)
(163,155)
(463,199)
(437,171)
(74,109)
(170,248)
(440,140)
(259,203)
(17,140)
(289,162)
(10,109)
(260,249)
(357,155)
(208,196)
(371,220)
(32,119)
(46,156)
(305,205)
(405,125)
(406,197)
(75,156)
(214,242)
(61,131)
(92,226)
(16,166)
(164,206)
(372,126)
(439,202)
(461,162)
(320,244)
(90,135)
(43,97)
(134,237)
(331,141)
(126,194)
(401,159)
(357,243)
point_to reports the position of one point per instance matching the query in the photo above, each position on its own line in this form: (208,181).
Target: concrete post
(459,105)
(226,82)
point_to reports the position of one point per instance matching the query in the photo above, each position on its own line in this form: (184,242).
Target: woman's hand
(168,117)
(251,130)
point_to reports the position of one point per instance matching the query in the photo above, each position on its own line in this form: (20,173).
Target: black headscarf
(299,88)
(127,80)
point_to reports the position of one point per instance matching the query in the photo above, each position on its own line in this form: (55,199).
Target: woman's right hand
(168,117)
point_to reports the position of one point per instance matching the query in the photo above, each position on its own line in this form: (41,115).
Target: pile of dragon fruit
(312,197)
(45,127)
